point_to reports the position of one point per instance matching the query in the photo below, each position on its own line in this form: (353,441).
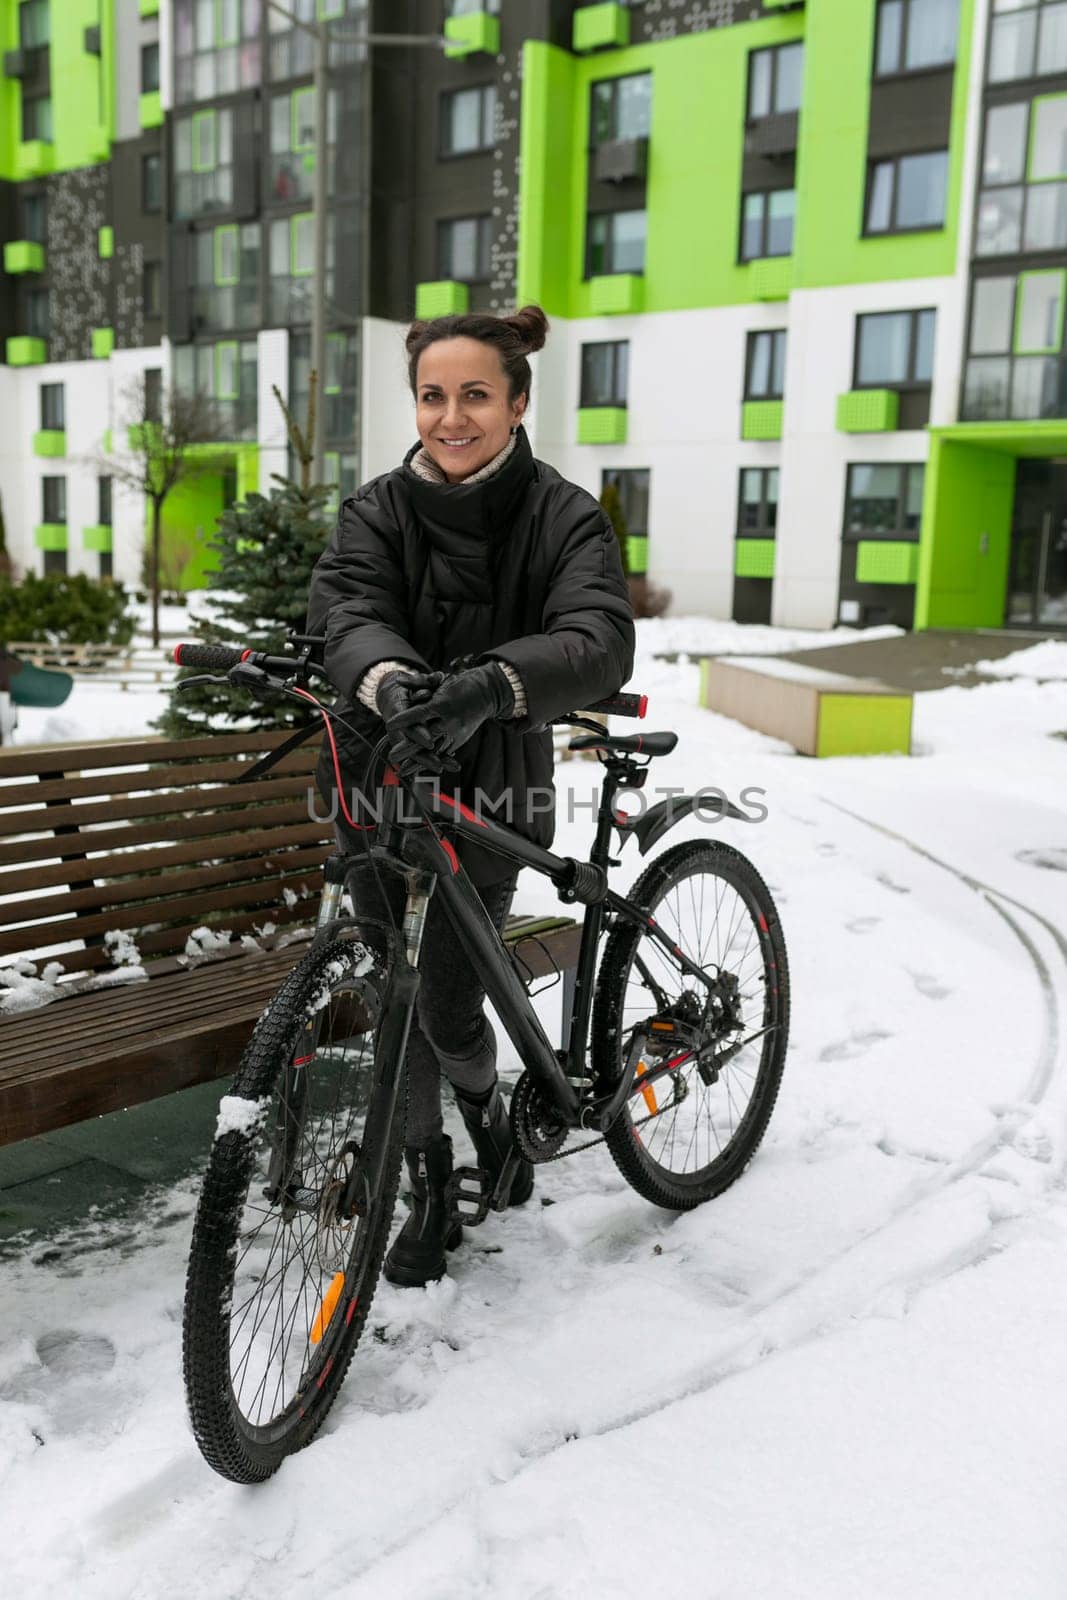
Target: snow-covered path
(845,1377)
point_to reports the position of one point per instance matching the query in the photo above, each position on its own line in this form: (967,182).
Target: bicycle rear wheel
(702,1096)
(280,1281)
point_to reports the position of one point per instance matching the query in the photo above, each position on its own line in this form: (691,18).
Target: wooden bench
(819,713)
(149,839)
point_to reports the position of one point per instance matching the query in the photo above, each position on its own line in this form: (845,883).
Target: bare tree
(302,439)
(162,452)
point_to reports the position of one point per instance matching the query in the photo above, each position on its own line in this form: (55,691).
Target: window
(153,394)
(464,8)
(225,277)
(605,373)
(757,505)
(464,248)
(52,407)
(894,348)
(633,486)
(35,218)
(216,47)
(339,393)
(149,68)
(37,118)
(1028,38)
(1023,204)
(1048,142)
(228,373)
(103,502)
(621,108)
(468,120)
(152,182)
(152,289)
(767,221)
(1015,367)
(38,313)
(292,261)
(203,162)
(765,365)
(907,193)
(292,142)
(616,242)
(53,499)
(884,501)
(913,34)
(33,25)
(775,80)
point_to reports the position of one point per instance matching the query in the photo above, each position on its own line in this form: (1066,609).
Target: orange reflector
(648,1094)
(328,1307)
(663,1027)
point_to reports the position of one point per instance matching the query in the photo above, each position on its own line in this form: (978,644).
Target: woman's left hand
(456,710)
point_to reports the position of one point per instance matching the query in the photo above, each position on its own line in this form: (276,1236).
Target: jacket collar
(473,508)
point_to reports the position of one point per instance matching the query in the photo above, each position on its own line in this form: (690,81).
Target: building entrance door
(1037,581)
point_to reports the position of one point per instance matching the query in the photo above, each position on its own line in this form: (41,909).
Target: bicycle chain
(590,1144)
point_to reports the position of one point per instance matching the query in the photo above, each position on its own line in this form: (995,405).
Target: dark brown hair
(513,338)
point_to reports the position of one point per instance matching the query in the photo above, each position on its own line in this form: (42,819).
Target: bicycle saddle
(641,744)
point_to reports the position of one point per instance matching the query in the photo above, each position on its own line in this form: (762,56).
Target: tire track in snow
(751,1344)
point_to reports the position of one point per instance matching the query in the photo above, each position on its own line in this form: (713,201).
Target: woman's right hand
(411,751)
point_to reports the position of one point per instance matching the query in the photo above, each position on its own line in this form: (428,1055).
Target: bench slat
(280,815)
(150,863)
(24,761)
(140,779)
(43,819)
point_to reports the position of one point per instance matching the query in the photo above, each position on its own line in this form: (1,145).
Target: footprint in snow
(70,1354)
(826,849)
(862,924)
(848,1049)
(929,986)
(887,881)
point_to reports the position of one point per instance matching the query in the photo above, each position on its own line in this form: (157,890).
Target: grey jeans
(450,1034)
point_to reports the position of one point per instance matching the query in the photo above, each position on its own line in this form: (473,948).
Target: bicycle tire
(331,987)
(619,999)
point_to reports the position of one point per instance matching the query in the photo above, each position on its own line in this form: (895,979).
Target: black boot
(486,1120)
(418,1253)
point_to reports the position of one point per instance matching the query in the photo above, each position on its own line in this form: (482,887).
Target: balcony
(50,536)
(442,299)
(773,137)
(150,110)
(98,537)
(23,255)
(621,161)
(24,351)
(602,425)
(771,278)
(868,411)
(103,342)
(887,561)
(762,419)
(600,27)
(50,442)
(754,558)
(476,33)
(616,293)
(34,158)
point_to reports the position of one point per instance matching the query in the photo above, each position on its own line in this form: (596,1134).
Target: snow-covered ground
(846,1377)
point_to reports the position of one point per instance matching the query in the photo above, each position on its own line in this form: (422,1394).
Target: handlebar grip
(622,705)
(210,657)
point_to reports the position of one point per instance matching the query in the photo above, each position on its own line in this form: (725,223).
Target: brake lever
(199,681)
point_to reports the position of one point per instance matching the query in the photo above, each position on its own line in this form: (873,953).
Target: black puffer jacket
(524,568)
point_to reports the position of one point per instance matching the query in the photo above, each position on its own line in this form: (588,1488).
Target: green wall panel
(864,725)
(103,342)
(616,294)
(598,26)
(968,503)
(83,91)
(637,553)
(150,110)
(695,165)
(762,419)
(22,350)
(832,160)
(97,537)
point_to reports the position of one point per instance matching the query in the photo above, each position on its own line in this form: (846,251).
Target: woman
(471,549)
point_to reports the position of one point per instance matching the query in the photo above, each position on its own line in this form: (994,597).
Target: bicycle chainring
(536,1125)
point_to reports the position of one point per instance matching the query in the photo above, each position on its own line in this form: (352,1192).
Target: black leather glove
(411,749)
(402,689)
(456,710)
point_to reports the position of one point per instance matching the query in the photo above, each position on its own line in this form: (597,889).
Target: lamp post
(321,32)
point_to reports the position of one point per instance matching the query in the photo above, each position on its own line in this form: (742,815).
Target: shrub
(64,609)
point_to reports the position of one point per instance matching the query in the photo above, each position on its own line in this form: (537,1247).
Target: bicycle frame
(430,865)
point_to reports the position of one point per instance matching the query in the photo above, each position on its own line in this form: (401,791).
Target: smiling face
(463,410)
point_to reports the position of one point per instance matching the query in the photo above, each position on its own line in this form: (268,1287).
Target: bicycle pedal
(467,1195)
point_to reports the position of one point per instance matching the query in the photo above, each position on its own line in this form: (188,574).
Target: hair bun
(531,325)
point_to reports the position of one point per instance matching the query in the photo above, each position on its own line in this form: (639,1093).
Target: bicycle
(675,1049)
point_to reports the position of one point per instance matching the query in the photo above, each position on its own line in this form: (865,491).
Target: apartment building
(806,263)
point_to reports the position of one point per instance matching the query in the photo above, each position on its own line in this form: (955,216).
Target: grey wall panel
(128,37)
(78,206)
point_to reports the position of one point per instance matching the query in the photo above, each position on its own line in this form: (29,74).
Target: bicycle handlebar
(223,657)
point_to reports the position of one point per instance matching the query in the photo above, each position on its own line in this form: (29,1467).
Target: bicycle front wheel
(283,1264)
(707,1080)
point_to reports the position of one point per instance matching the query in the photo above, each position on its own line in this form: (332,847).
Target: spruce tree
(267,547)
(611,502)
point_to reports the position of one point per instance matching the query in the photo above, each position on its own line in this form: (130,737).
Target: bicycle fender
(649,828)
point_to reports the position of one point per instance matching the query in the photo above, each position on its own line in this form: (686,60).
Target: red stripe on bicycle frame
(464,811)
(450,852)
(302,1061)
